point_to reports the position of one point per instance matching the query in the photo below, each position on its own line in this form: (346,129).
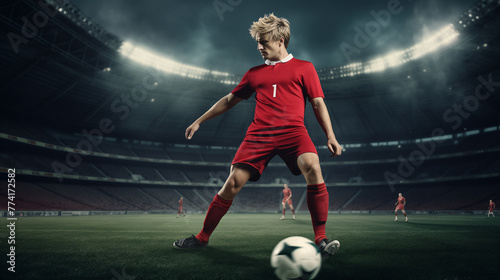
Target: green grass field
(140,246)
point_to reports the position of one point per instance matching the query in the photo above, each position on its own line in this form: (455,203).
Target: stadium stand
(357,194)
(146,164)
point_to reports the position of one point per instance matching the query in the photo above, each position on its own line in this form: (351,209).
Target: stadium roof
(67,74)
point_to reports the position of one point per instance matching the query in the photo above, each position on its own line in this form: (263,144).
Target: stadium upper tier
(40,155)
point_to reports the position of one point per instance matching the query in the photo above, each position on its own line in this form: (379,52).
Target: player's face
(268,49)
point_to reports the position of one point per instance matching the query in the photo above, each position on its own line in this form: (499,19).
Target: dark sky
(196,32)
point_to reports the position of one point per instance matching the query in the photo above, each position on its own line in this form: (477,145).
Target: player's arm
(220,107)
(323,117)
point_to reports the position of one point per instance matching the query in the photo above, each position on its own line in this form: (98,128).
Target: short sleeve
(243,90)
(312,86)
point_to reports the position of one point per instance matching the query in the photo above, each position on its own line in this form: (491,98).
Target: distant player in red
(287,199)
(400,205)
(491,207)
(180,211)
(282,87)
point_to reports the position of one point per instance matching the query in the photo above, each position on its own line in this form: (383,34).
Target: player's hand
(334,147)
(191,130)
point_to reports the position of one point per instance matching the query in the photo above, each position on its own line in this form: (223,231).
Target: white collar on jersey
(286,59)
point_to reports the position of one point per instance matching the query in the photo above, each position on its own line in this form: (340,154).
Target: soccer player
(282,86)
(179,210)
(491,207)
(287,199)
(400,205)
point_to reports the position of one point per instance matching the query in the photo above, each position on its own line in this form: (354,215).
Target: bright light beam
(148,58)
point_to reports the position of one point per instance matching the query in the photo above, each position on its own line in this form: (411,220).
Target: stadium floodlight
(438,40)
(375,65)
(394,59)
(148,58)
(443,37)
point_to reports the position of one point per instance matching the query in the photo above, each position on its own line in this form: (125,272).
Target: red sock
(317,202)
(396,214)
(217,209)
(405,214)
(283,211)
(293,211)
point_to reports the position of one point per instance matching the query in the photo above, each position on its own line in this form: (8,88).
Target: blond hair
(275,26)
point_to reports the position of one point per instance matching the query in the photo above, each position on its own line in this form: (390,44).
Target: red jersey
(492,206)
(401,200)
(181,202)
(281,93)
(287,193)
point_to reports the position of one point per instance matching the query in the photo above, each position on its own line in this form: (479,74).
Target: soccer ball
(296,257)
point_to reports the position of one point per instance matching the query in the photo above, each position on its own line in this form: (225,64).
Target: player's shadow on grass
(296,221)
(234,259)
(448,227)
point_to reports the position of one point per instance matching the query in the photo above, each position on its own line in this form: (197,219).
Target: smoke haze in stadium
(197,33)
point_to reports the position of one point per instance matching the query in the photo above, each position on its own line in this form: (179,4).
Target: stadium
(93,131)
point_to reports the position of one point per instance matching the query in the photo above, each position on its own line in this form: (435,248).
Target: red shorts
(257,150)
(400,207)
(289,201)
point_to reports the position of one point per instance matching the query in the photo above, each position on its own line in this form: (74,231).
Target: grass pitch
(140,247)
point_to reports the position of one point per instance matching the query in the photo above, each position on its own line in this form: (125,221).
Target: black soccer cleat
(188,243)
(328,248)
